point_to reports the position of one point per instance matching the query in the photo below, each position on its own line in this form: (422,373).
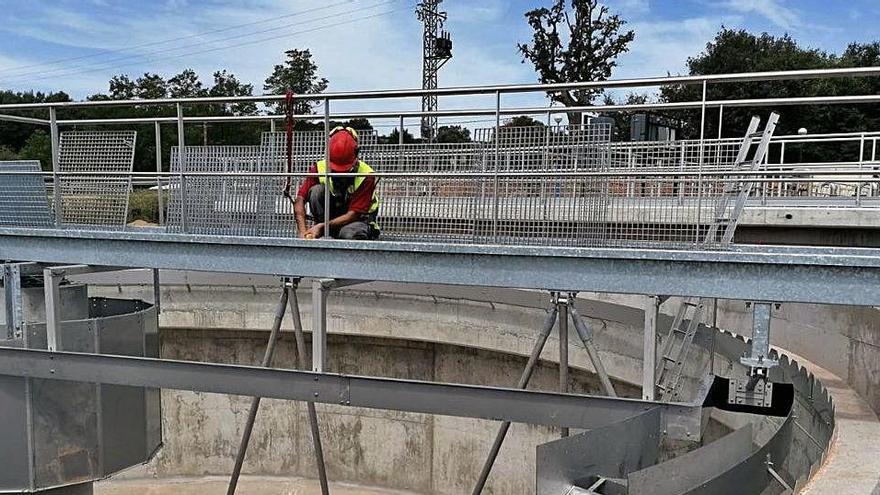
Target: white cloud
(772,10)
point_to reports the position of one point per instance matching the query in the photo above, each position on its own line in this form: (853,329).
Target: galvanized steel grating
(23,198)
(228,205)
(93,200)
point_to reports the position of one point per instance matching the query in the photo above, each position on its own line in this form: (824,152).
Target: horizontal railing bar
(690,105)
(484,90)
(752,174)
(23,120)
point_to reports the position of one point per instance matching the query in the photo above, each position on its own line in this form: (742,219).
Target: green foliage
(143,204)
(6,153)
(394,137)
(578,43)
(522,121)
(453,134)
(38,147)
(299,74)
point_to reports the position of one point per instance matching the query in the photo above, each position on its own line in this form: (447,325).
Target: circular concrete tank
(438,334)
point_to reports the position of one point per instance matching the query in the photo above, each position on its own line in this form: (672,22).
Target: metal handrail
(484,89)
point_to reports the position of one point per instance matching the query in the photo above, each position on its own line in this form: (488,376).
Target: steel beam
(52,290)
(768,273)
(12,290)
(649,349)
(525,406)
(562,305)
(320,288)
(759,353)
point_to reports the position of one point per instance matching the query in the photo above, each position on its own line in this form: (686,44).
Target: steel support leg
(319,324)
(304,363)
(52,289)
(255,402)
(587,338)
(12,289)
(649,359)
(562,304)
(157,291)
(523,382)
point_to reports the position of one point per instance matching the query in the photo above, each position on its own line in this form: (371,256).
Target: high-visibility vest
(362,168)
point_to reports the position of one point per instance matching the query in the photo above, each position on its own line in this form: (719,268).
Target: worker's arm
(299,213)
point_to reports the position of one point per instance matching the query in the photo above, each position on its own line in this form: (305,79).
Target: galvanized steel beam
(768,273)
(525,406)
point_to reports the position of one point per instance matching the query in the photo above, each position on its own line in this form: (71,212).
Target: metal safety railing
(528,185)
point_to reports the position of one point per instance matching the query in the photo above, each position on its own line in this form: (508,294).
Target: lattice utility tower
(436,51)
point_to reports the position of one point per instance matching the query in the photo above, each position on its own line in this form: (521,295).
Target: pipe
(255,402)
(523,381)
(587,339)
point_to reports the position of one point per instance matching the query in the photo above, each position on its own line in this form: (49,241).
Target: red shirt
(358,202)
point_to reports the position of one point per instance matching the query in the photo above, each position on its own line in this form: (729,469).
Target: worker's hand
(314,232)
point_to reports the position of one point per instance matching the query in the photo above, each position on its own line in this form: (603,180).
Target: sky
(77,45)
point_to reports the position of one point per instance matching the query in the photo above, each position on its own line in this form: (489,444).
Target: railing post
(497,161)
(158,130)
(181,165)
(700,166)
(326,169)
(56,165)
(861,162)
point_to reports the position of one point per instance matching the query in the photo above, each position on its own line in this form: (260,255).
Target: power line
(179,38)
(103,65)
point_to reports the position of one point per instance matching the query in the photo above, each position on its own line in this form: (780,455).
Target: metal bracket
(756,391)
(759,356)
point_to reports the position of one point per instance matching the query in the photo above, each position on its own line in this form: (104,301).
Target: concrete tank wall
(418,452)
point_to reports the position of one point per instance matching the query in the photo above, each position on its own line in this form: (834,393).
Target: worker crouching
(354,202)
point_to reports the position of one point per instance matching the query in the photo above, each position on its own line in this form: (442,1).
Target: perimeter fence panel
(95,201)
(23,198)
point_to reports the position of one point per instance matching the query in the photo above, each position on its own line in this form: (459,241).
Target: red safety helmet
(343,149)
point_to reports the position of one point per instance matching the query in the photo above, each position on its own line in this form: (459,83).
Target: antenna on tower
(436,51)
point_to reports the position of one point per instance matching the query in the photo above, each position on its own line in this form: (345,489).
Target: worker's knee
(355,231)
(316,193)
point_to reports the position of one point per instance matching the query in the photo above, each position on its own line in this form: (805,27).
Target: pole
(158,128)
(319,325)
(700,168)
(587,338)
(56,165)
(326,168)
(523,382)
(562,308)
(255,402)
(181,162)
(497,161)
(157,291)
(303,362)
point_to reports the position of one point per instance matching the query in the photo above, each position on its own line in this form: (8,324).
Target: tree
(6,153)
(299,74)
(226,84)
(453,134)
(577,44)
(185,85)
(122,88)
(151,87)
(522,121)
(734,51)
(38,147)
(394,137)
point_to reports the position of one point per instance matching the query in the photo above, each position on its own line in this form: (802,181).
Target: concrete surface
(216,485)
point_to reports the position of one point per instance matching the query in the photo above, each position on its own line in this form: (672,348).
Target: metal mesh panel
(661,208)
(23,198)
(228,205)
(95,201)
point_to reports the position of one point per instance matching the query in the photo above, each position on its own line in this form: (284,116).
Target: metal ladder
(677,342)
